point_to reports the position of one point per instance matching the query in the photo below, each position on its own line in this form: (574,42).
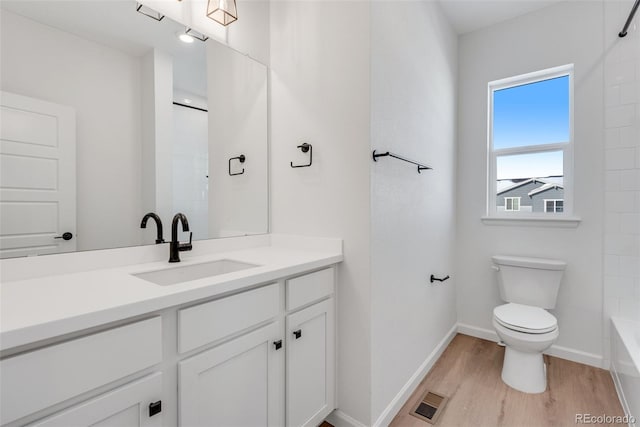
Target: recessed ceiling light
(186,38)
(186,101)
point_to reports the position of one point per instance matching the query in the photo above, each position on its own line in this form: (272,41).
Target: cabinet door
(310,364)
(126,406)
(239,383)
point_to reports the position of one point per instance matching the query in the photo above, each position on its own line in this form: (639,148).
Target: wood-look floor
(469,373)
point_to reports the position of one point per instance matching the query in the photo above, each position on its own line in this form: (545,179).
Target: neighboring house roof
(506,185)
(544,188)
(520,184)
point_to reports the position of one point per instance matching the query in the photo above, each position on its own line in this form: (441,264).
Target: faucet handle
(186,246)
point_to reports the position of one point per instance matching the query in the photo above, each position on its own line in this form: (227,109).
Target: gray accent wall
(531,204)
(552,193)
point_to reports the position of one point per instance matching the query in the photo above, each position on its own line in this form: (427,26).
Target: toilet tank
(530,281)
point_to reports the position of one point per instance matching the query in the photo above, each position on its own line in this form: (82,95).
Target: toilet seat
(525,318)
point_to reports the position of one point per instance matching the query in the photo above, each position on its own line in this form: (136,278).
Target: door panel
(310,364)
(38,176)
(28,126)
(236,384)
(43,176)
(28,217)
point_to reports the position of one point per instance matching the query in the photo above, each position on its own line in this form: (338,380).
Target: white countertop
(40,308)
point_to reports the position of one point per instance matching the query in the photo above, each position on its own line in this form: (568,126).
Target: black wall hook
(434,278)
(305,148)
(241,158)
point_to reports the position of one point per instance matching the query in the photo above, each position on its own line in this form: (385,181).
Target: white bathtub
(625,365)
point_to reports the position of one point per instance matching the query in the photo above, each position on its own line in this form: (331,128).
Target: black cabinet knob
(297,333)
(65,236)
(277,344)
(155,408)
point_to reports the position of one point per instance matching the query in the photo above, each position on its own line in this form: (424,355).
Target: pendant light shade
(222,11)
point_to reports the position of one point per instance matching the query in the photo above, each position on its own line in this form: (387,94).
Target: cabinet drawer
(38,379)
(308,288)
(125,406)
(211,321)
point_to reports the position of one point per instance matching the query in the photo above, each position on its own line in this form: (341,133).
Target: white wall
(570,32)
(157,137)
(250,33)
(45,63)
(320,94)
(237,102)
(413,113)
(622,165)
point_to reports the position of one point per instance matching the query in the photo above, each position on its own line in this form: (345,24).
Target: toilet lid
(525,318)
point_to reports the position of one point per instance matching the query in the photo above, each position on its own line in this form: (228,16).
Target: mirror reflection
(108,114)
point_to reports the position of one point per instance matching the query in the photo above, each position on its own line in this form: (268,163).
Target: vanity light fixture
(196,35)
(147,11)
(222,11)
(189,35)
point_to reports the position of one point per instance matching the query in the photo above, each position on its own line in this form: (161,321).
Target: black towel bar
(241,158)
(305,148)
(421,167)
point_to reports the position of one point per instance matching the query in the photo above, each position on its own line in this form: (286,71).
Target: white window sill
(528,221)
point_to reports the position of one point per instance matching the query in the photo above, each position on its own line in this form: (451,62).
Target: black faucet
(156,218)
(175,247)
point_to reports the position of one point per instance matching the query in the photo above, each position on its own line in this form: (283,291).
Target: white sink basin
(175,275)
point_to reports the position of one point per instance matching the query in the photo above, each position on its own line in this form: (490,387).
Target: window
(553,205)
(530,146)
(512,203)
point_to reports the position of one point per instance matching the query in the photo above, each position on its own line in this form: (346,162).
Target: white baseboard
(474,331)
(339,419)
(571,354)
(407,390)
(574,355)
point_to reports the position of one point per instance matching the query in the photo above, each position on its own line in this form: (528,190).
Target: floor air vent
(429,407)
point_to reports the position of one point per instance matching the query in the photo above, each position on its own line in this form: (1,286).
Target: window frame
(555,205)
(567,147)
(512,199)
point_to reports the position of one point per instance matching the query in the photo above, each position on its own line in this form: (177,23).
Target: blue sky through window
(531,114)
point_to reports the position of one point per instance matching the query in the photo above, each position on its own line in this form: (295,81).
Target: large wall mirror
(108,114)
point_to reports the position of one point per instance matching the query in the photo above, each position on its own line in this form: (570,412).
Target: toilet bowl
(529,286)
(527,332)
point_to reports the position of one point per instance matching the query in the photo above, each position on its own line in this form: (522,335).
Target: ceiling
(471,15)
(117,24)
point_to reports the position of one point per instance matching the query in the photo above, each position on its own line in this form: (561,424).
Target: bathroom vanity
(241,332)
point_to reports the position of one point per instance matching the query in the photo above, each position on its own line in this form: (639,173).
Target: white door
(310,365)
(236,384)
(126,406)
(37,176)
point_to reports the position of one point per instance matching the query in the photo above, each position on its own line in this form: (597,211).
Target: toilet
(529,286)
